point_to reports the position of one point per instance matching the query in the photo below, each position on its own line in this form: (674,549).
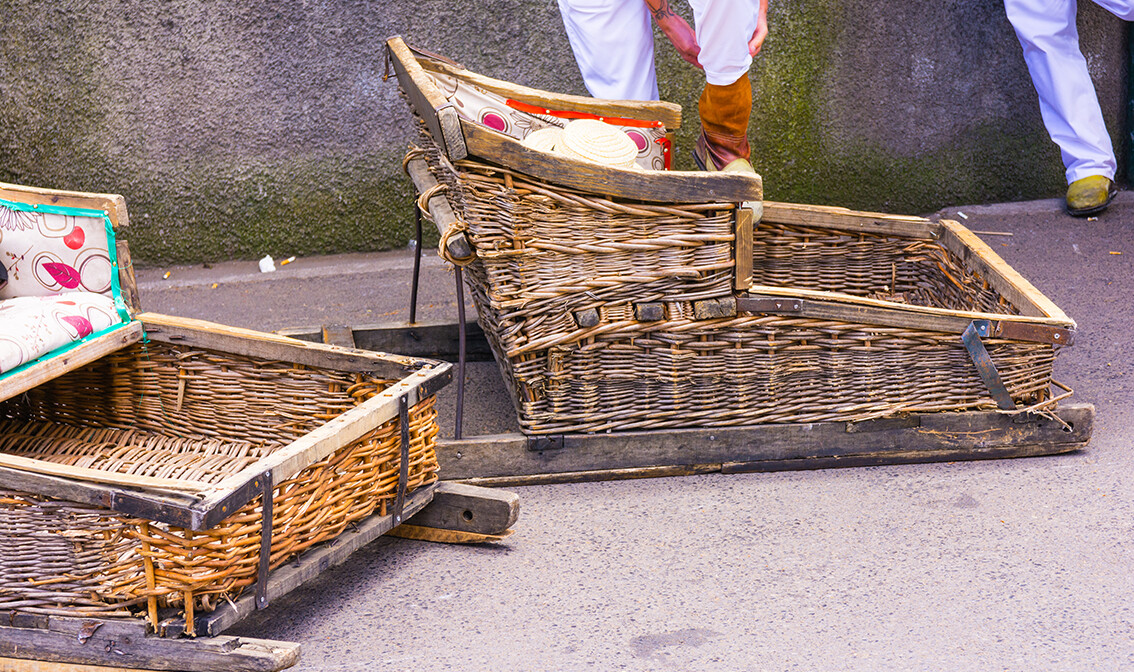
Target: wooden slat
(113,204)
(844,219)
(911,315)
(18,382)
(427,100)
(440,210)
(742,250)
(305,567)
(172,507)
(68,471)
(967,435)
(658,186)
(643,110)
(467,508)
(249,343)
(338,334)
(118,644)
(433,339)
(126,279)
(978,256)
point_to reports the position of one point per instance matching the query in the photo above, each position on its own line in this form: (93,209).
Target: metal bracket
(403,461)
(265,540)
(749,304)
(984,365)
(538,444)
(1035,333)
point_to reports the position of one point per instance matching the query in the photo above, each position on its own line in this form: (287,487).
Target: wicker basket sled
(634,300)
(140,481)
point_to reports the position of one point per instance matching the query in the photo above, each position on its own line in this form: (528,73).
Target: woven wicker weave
(543,253)
(197,416)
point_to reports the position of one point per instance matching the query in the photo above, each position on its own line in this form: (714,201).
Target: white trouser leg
(1070,109)
(1123,9)
(613,42)
(723,30)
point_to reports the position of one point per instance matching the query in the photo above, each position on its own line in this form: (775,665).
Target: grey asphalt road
(1021,564)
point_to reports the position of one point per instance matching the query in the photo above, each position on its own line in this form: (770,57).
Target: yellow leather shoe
(1090,195)
(739,166)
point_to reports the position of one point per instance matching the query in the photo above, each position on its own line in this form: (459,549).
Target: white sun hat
(592,140)
(544,140)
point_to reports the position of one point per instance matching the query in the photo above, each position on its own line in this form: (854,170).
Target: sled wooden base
(32,642)
(515,459)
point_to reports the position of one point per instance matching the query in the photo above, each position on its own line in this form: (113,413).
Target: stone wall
(236,129)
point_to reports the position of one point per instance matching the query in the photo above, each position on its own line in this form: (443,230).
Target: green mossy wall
(240,129)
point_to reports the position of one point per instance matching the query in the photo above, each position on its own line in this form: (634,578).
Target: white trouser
(613,42)
(723,30)
(1070,109)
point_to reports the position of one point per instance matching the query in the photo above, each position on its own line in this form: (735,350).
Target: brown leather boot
(723,142)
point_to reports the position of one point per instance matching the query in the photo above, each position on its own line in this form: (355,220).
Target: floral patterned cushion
(32,326)
(518,120)
(47,253)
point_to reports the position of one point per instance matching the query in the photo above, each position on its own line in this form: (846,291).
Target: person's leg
(1068,104)
(1123,9)
(723,29)
(613,43)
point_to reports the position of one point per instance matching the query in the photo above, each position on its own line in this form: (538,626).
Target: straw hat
(544,139)
(592,140)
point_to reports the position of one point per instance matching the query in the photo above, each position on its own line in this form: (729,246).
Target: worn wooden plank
(338,334)
(626,474)
(844,219)
(913,315)
(305,567)
(433,340)
(742,249)
(643,110)
(126,279)
(829,310)
(233,340)
(429,102)
(508,455)
(978,256)
(112,478)
(110,646)
(113,204)
(24,665)
(910,457)
(467,508)
(440,210)
(658,186)
(162,505)
(17,382)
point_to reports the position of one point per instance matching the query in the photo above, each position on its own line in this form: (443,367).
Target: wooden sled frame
(473,513)
(517,459)
(70,642)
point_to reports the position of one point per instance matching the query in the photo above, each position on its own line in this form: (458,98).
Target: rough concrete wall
(236,129)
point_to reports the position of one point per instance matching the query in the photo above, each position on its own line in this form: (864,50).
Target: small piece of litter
(962,215)
(994,233)
(267,264)
(215,285)
(1116,253)
(1092,219)
(166,276)
(287,261)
